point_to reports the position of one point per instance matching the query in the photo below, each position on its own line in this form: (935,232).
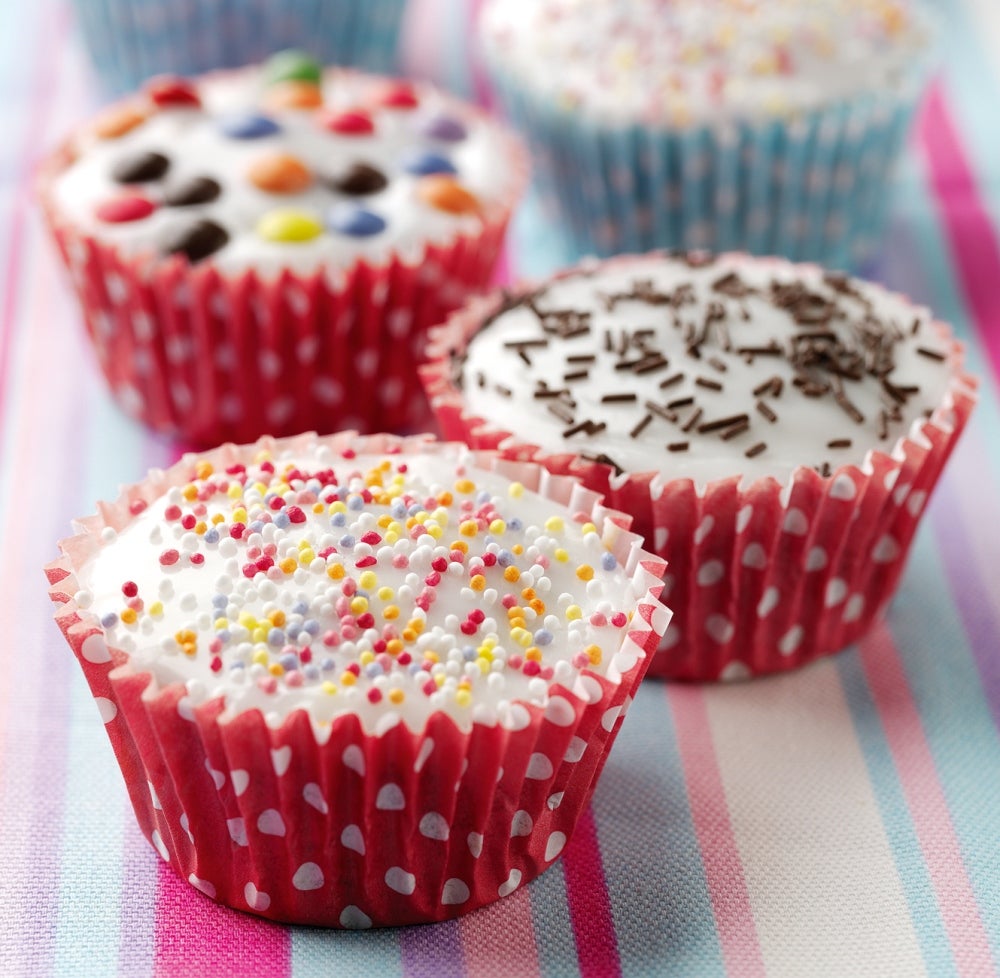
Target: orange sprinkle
(477,582)
(288,565)
(335,571)
(396,696)
(534,653)
(279,173)
(511,574)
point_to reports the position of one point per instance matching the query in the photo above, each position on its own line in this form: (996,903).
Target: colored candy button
(292,65)
(350,123)
(288,225)
(196,240)
(398,95)
(424,163)
(354,221)
(293,95)
(279,173)
(445,128)
(140,167)
(193,190)
(248,125)
(445,193)
(360,179)
(170,91)
(125,208)
(118,120)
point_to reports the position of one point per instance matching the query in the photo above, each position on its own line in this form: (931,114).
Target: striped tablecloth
(841,821)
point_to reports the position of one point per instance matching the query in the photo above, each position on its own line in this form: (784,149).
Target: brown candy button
(279,173)
(196,240)
(193,190)
(359,180)
(140,167)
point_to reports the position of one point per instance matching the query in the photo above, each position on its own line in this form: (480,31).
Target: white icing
(196,147)
(682,61)
(308,597)
(805,424)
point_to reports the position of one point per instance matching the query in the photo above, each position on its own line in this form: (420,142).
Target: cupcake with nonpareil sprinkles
(262,251)
(769,126)
(775,430)
(359,681)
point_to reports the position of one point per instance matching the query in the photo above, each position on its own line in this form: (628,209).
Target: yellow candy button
(288,225)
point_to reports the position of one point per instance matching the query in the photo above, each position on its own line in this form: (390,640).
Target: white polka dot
(95,649)
(237,831)
(796,523)
(575,750)
(154,797)
(816,559)
(107,709)
(308,877)
(390,798)
(735,672)
(354,919)
(515,718)
(475,841)
(660,535)
(256,899)
(398,879)
(855,605)
(768,602)
(539,768)
(270,822)
(743,518)
(555,800)
(199,884)
(454,892)
(560,711)
(240,779)
(158,845)
(434,825)
(704,528)
(354,758)
(510,884)
(900,493)
(187,828)
(886,550)
(521,824)
(791,640)
(425,751)
(711,573)
(218,778)
(313,795)
(754,557)
(185,708)
(916,502)
(836,591)
(610,717)
(554,845)
(719,628)
(588,689)
(351,838)
(280,759)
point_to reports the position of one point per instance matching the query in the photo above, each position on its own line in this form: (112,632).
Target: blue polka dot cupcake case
(763,127)
(263,250)
(132,40)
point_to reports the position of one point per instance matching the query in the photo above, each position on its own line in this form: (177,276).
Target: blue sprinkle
(608,561)
(356,504)
(292,631)
(398,510)
(220,601)
(212,535)
(311,672)
(311,627)
(247,125)
(275,637)
(505,558)
(515,524)
(468,653)
(223,636)
(256,526)
(483,497)
(289,661)
(236,665)
(413,668)
(542,637)
(299,608)
(327,664)
(281,520)
(354,221)
(338,519)
(414,509)
(372,670)
(109,620)
(423,164)
(445,128)
(346,541)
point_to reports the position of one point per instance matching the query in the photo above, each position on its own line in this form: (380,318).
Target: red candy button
(127,207)
(349,123)
(171,91)
(398,96)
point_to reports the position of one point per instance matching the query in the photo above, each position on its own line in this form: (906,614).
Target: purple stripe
(433,951)
(138,899)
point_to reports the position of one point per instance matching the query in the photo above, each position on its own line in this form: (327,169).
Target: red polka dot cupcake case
(775,431)
(359,681)
(262,250)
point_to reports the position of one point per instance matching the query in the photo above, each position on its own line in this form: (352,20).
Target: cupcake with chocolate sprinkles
(774,429)
(768,126)
(262,251)
(358,682)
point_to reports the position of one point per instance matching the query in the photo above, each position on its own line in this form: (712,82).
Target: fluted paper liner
(209,356)
(347,827)
(763,576)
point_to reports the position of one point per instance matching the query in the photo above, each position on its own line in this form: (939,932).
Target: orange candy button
(447,194)
(279,173)
(293,95)
(118,120)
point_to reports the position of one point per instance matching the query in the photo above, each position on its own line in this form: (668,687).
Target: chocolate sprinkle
(930,354)
(678,446)
(671,380)
(839,443)
(712,385)
(754,450)
(641,426)
(765,410)
(720,423)
(618,398)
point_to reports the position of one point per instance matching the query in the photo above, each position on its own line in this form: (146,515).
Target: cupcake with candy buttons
(769,127)
(132,40)
(359,681)
(261,251)
(775,430)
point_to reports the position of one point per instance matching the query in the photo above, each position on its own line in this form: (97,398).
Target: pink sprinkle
(489,558)
(509,600)
(253,552)
(515,661)
(366,561)
(197,559)
(277,503)
(367,620)
(468,627)
(429,688)
(399,561)
(215,664)
(295,514)
(215,645)
(543,562)
(267,684)
(531,668)
(597,619)
(331,639)
(619,619)
(293,678)
(374,695)
(433,579)
(371,538)
(404,658)
(326,552)
(439,564)
(265,563)
(348,633)
(457,557)
(237,530)
(130,589)
(384,660)
(477,615)
(270,549)
(547,673)
(581,660)
(169,557)
(136,604)
(249,570)
(188,521)
(137,506)
(354,668)
(349,587)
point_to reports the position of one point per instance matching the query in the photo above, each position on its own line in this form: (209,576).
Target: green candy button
(292,65)
(289,225)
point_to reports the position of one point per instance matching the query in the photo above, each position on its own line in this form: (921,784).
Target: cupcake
(132,40)
(262,251)
(775,430)
(763,127)
(358,681)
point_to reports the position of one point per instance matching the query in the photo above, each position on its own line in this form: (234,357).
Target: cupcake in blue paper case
(770,127)
(132,40)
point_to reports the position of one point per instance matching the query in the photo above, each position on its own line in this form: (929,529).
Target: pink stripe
(925,799)
(589,904)
(727,887)
(480,82)
(966,223)
(504,271)
(501,932)
(197,937)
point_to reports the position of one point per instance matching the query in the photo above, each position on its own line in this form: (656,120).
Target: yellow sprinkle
(517,549)
(439,679)
(511,573)
(477,582)
(288,565)
(515,490)
(348,679)
(338,506)
(573,612)
(431,656)
(259,634)
(390,612)
(417,624)
(367,657)
(465,486)
(396,696)
(585,572)
(190,492)
(260,657)
(534,653)
(394,646)
(129,616)
(468,528)
(463,697)
(554,524)
(335,571)
(318,508)
(588,528)
(594,654)
(385,593)
(484,664)
(221,623)
(288,225)
(367,580)
(276,669)
(391,536)
(460,545)
(522,636)
(156,609)
(234,491)
(435,531)
(561,555)
(217,519)
(497,527)
(203,470)
(239,515)
(328,688)
(359,605)
(383,521)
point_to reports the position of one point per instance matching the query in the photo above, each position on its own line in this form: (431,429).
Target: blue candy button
(423,164)
(248,125)
(355,221)
(445,128)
